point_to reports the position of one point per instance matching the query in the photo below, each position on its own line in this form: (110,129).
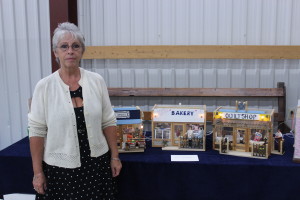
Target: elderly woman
(72,127)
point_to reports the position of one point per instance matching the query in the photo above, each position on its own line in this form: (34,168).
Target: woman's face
(69,51)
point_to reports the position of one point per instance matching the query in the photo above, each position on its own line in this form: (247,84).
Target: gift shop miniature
(244,132)
(130,129)
(179,127)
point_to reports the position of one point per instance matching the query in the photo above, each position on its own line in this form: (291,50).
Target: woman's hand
(116,166)
(39,183)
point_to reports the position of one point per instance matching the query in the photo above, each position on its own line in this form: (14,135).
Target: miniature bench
(279,93)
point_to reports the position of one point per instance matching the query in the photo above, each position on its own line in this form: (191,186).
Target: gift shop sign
(178,115)
(244,116)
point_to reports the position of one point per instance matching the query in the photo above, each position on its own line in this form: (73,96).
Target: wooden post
(61,11)
(281,103)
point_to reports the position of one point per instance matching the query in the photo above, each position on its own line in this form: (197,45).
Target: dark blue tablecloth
(152,175)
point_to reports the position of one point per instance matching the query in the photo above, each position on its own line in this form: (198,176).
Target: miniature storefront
(296,156)
(243,132)
(179,127)
(129,129)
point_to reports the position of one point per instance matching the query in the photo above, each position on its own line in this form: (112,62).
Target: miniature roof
(202,107)
(244,111)
(232,109)
(126,108)
(129,121)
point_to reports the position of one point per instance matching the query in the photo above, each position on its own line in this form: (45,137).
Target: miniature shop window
(240,136)
(257,134)
(227,132)
(194,130)
(166,133)
(162,130)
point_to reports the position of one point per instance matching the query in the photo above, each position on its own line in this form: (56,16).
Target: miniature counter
(151,175)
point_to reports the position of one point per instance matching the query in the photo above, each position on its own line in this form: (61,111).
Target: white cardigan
(52,116)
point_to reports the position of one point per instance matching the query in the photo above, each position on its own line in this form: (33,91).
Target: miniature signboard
(178,115)
(180,158)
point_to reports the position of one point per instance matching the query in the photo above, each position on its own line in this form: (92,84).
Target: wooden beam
(279,93)
(196,92)
(192,52)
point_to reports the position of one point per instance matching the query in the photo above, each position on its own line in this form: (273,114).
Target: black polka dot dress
(92,181)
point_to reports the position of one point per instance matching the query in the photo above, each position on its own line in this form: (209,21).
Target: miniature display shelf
(279,93)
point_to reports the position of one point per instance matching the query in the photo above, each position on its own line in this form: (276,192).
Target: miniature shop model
(296,156)
(245,132)
(130,129)
(179,127)
(277,140)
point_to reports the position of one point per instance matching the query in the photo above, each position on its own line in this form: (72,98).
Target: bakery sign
(178,115)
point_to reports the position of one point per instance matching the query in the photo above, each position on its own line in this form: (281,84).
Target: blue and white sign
(122,114)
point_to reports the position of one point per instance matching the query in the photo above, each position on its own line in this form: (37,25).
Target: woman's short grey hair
(65,28)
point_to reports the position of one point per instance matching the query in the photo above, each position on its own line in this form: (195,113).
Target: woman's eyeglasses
(65,47)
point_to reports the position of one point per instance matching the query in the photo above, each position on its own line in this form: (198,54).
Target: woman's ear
(56,55)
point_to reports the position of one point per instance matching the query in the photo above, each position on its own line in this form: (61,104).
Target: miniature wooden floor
(131,151)
(242,154)
(176,148)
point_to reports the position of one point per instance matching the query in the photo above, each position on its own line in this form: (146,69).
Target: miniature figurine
(278,139)
(190,133)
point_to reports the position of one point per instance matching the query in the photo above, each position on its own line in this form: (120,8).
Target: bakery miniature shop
(244,132)
(129,129)
(179,127)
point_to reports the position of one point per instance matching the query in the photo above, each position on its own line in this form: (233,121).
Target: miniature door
(178,131)
(240,139)
(227,132)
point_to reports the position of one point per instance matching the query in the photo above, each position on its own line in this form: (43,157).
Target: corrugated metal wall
(194,22)
(24,59)
(25,49)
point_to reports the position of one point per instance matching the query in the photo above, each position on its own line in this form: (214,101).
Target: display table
(152,175)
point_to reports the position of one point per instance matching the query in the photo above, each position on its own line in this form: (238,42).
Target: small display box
(243,132)
(129,129)
(179,127)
